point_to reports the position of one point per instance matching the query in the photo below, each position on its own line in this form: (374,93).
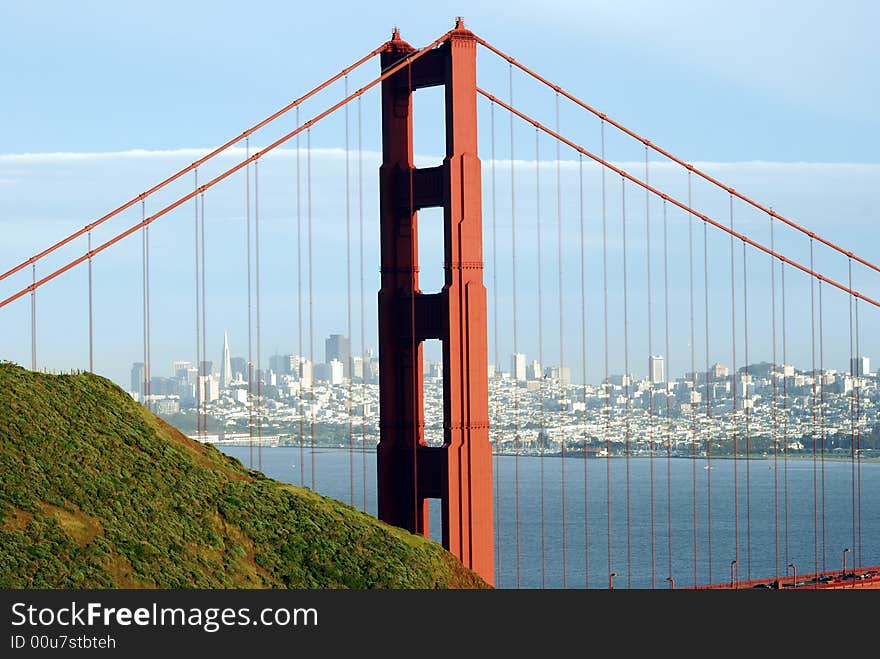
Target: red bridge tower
(459,473)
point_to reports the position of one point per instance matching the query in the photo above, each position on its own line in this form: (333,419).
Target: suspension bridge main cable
(667,154)
(220,149)
(705,218)
(145,221)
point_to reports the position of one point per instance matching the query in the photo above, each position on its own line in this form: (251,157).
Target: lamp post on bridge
(611,580)
(845,552)
(794,574)
(733,573)
(671,581)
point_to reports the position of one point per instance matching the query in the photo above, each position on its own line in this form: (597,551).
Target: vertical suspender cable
(199,357)
(733,378)
(606,384)
(33,317)
(746,397)
(250,364)
(364,365)
(146,271)
(584,370)
(774,376)
(348,366)
(144,303)
(515,333)
(859,376)
(693,378)
(626,390)
(311,303)
(204,319)
(708,403)
(784,410)
(542,437)
(494,389)
(668,402)
(650,375)
(852,410)
(822,418)
(301,363)
(91,312)
(815,422)
(149,364)
(257,328)
(562,396)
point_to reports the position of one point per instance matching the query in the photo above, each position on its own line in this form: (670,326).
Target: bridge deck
(865,578)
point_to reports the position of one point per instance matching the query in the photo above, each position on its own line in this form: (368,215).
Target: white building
(656,369)
(209,388)
(337,372)
(518,367)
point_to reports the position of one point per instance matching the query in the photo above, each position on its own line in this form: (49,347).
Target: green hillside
(96,492)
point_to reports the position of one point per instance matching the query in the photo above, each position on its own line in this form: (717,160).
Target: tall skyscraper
(225,364)
(179,369)
(239,368)
(655,369)
(338,347)
(518,367)
(137,378)
(861,366)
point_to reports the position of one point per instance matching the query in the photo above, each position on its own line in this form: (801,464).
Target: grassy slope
(97,492)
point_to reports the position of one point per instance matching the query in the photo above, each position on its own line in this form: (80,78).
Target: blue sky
(789,80)
(779,99)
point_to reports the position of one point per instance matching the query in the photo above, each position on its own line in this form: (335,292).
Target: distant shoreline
(659,455)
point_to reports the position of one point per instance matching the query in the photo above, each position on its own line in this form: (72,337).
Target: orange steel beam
(676,160)
(259,154)
(189,168)
(870,578)
(674,201)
